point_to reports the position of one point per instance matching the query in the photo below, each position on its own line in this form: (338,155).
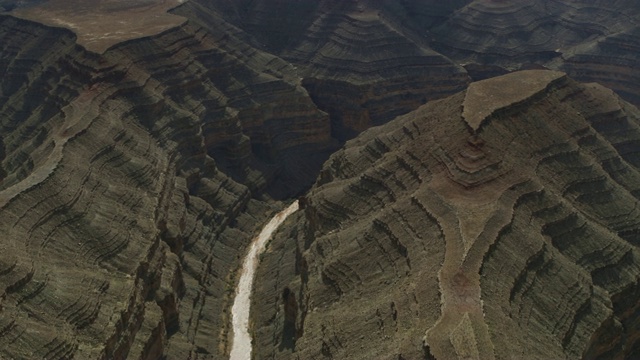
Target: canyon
(467,174)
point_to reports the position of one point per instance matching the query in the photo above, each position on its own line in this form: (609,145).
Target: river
(241,345)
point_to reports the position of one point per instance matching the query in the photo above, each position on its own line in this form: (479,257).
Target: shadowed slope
(612,61)
(358,61)
(364,72)
(132,180)
(590,40)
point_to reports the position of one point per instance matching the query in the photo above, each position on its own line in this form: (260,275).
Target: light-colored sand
(241,345)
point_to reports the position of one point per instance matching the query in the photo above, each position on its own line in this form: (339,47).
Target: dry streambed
(241,345)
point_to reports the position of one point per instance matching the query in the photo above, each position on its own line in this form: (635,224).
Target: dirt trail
(241,345)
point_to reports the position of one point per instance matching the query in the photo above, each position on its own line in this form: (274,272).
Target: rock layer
(358,61)
(135,167)
(363,72)
(429,237)
(590,40)
(104,23)
(510,33)
(611,61)
(131,182)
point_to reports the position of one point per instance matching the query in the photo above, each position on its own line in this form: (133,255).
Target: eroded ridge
(361,68)
(119,229)
(520,225)
(76,118)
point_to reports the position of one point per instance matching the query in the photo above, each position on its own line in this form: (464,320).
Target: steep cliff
(500,222)
(131,182)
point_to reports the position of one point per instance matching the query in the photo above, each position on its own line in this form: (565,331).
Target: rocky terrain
(358,64)
(132,181)
(144,143)
(590,40)
(500,222)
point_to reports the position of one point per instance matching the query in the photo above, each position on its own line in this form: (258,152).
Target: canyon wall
(134,171)
(358,61)
(131,182)
(148,162)
(479,226)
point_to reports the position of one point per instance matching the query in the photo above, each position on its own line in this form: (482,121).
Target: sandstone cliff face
(448,234)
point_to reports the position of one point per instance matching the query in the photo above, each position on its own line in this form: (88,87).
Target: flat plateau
(102,24)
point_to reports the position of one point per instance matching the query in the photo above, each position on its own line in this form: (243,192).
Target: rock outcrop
(439,235)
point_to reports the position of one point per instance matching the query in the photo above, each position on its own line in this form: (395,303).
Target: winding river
(241,345)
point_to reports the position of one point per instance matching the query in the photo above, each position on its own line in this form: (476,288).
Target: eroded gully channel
(241,344)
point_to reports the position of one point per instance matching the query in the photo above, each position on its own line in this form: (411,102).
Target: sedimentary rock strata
(591,41)
(510,33)
(511,236)
(132,181)
(364,72)
(144,142)
(358,60)
(612,62)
